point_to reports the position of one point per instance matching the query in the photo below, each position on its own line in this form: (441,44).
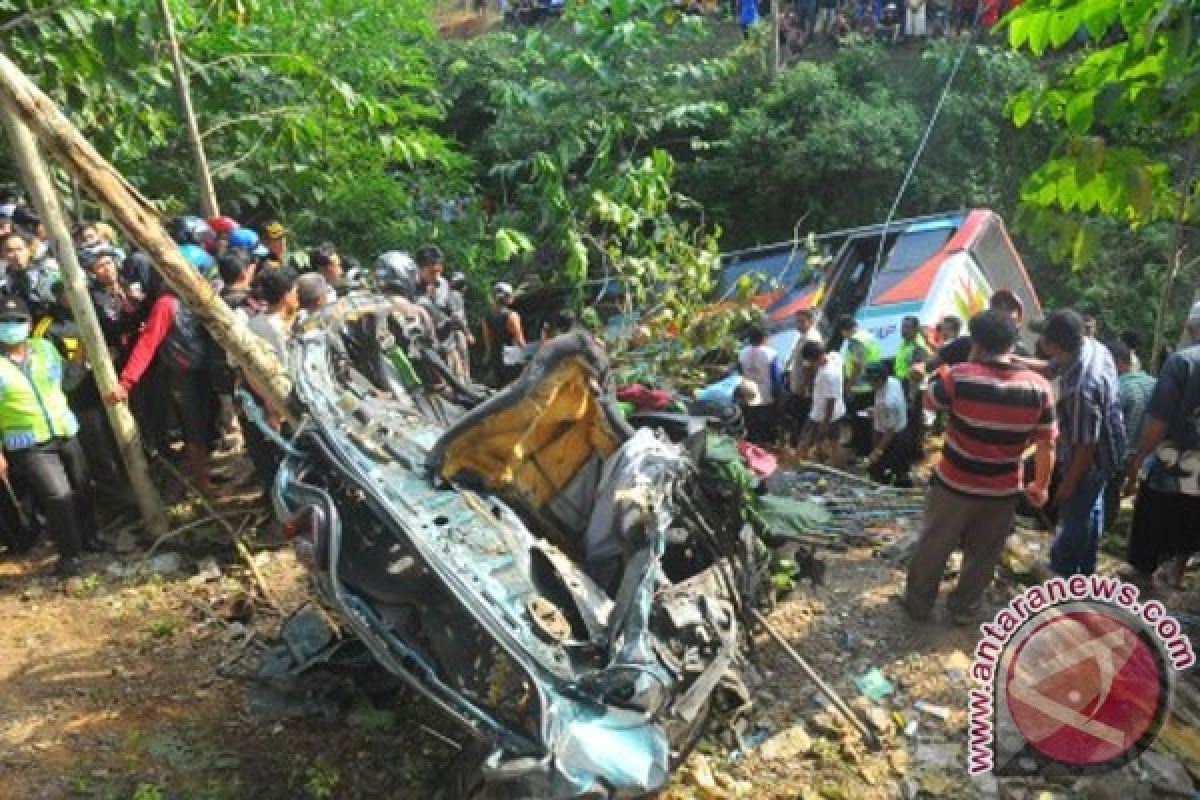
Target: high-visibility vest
(33,408)
(850,363)
(904,356)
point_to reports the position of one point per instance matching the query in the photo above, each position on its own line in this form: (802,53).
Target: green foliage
(828,143)
(148,791)
(580,124)
(1126,108)
(163,628)
(303,105)
(1120,107)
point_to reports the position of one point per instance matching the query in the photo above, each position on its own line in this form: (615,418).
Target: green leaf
(1039,31)
(1064,25)
(1020,109)
(577,259)
(1139,188)
(1079,111)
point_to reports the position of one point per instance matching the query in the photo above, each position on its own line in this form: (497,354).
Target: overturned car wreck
(565,587)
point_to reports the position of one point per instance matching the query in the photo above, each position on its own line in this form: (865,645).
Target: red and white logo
(1073,674)
(1084,688)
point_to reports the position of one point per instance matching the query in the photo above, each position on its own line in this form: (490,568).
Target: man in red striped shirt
(995,408)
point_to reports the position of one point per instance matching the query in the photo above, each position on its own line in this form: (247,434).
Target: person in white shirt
(757,365)
(891,459)
(278,288)
(821,437)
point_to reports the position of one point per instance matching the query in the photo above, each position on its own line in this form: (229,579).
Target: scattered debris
(941,712)
(874,685)
(786,744)
(164,564)
(206,571)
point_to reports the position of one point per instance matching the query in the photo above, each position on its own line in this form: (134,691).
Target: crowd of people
(1059,433)
(59,465)
(806,22)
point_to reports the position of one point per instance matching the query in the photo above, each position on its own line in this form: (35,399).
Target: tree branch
(239,57)
(30,16)
(261,116)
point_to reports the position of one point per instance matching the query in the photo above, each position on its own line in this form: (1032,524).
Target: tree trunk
(774,38)
(36,178)
(1175,247)
(139,219)
(208,195)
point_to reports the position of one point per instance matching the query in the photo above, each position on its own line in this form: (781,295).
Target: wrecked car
(567,589)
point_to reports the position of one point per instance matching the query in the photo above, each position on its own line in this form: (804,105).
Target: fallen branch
(192,526)
(848,476)
(235,535)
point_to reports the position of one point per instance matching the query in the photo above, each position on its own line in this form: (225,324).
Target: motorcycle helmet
(244,238)
(395,273)
(223,225)
(190,230)
(199,258)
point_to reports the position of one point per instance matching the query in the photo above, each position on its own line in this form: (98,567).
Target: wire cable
(916,159)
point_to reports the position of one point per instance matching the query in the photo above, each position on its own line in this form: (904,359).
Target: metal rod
(12,496)
(839,705)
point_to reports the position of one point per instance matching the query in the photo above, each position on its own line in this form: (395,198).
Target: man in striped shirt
(995,409)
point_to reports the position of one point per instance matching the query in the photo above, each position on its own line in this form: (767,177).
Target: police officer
(39,430)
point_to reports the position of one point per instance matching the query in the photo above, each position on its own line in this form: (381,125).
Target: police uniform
(39,434)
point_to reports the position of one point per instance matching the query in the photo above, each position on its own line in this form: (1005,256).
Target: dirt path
(128,688)
(145,687)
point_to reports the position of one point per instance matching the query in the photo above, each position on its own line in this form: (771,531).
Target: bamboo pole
(140,221)
(36,178)
(208,195)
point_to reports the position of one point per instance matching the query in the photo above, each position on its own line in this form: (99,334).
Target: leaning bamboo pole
(36,179)
(140,221)
(208,195)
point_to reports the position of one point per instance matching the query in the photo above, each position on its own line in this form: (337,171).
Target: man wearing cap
(891,458)
(503,337)
(1166,516)
(1092,440)
(275,240)
(39,433)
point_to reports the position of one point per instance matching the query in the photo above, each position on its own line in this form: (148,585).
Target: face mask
(13,332)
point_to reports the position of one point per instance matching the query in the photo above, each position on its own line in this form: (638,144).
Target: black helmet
(190,229)
(395,273)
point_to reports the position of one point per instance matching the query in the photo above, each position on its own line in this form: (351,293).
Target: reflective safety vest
(870,347)
(33,408)
(904,356)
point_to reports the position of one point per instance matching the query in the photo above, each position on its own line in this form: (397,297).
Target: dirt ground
(145,686)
